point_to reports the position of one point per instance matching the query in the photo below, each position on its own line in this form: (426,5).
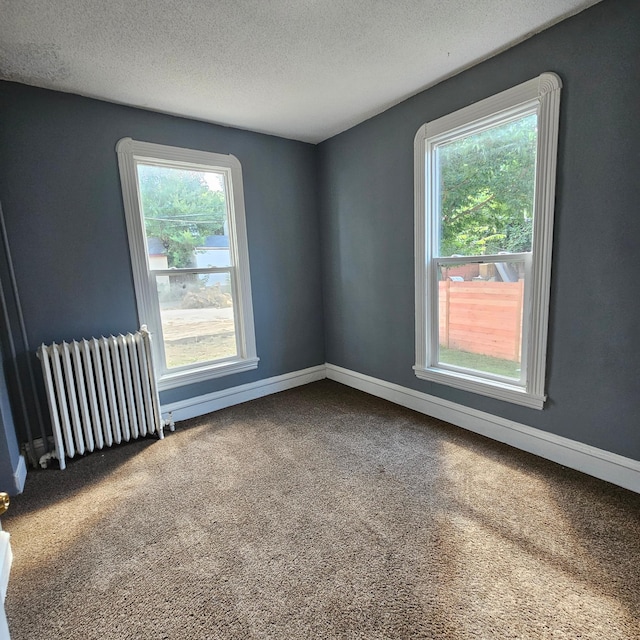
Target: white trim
(19,478)
(217,370)
(541,94)
(495,105)
(20,475)
(130,152)
(599,463)
(6,559)
(201,405)
(486,387)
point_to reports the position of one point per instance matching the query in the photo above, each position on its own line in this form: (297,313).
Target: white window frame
(130,153)
(540,95)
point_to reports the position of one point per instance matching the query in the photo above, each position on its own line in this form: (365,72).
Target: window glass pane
(480,317)
(197,317)
(185,217)
(486,189)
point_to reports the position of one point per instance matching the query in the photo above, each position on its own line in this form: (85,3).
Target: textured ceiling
(303,69)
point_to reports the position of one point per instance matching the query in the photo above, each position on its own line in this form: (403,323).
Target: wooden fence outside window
(482,317)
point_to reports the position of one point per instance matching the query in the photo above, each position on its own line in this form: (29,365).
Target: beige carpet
(322,512)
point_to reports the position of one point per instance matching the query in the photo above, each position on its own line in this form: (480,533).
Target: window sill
(490,388)
(207,372)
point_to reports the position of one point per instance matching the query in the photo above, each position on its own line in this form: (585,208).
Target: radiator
(100,392)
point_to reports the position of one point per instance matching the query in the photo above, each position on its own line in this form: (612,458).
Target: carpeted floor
(322,512)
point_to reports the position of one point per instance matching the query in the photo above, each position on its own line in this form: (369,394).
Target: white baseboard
(201,405)
(6,558)
(605,465)
(20,475)
(619,470)
(15,483)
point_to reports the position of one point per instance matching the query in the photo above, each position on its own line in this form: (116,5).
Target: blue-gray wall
(60,191)
(366,186)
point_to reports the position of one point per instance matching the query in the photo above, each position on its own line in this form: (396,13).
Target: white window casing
(130,154)
(540,95)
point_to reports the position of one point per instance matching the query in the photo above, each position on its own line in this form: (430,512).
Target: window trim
(130,152)
(542,94)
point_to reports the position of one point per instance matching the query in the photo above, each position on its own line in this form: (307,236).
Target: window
(188,242)
(485,190)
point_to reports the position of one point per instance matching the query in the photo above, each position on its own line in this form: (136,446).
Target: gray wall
(366,186)
(60,191)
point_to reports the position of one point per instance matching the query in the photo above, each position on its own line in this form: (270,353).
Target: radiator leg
(44,460)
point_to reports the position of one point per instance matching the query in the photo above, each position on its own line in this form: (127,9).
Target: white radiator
(100,392)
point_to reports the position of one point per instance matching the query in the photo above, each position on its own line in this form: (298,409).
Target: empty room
(317,319)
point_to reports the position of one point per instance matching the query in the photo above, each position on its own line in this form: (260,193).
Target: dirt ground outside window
(194,336)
